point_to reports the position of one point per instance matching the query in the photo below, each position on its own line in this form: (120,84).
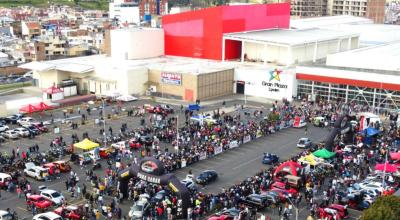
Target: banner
(183,163)
(246,139)
(171,78)
(203,156)
(217,150)
(233,144)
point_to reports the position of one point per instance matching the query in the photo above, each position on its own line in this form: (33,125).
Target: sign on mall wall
(171,78)
(272,83)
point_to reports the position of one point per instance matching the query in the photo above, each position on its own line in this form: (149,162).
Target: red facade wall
(199,33)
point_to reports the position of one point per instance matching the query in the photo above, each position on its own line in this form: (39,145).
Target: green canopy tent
(324,153)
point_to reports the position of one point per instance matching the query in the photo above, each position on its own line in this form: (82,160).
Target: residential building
(308,8)
(30,30)
(152,7)
(124,11)
(373,9)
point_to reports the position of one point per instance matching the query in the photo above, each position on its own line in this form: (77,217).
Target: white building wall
(258,82)
(133,81)
(137,43)
(124,14)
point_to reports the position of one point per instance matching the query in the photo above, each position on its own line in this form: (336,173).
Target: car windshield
(55,194)
(301,141)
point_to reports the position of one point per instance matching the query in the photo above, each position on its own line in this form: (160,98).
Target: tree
(385,207)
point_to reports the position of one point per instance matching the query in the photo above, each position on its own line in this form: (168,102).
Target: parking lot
(232,166)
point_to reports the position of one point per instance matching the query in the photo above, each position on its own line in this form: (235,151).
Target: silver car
(23,132)
(11,134)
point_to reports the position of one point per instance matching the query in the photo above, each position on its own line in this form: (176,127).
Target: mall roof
(381,57)
(289,37)
(165,63)
(327,21)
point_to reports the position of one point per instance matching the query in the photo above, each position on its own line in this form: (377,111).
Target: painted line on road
(244,164)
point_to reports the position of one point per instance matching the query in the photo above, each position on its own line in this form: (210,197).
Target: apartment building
(308,8)
(373,9)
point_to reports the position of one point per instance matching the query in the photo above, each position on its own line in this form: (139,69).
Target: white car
(348,148)
(304,143)
(36,172)
(26,121)
(4,215)
(137,210)
(53,196)
(47,216)
(3,128)
(11,134)
(190,184)
(23,132)
(371,186)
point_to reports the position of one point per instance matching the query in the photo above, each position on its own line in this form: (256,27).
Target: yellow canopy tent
(86,145)
(310,159)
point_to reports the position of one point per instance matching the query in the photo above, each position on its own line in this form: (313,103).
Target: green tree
(76,2)
(385,208)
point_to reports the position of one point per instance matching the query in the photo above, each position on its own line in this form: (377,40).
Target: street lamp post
(104,123)
(295,207)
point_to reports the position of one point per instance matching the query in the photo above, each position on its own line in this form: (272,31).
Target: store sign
(274,84)
(171,78)
(233,144)
(217,150)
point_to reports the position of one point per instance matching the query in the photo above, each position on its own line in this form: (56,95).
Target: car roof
(3,212)
(50,215)
(48,191)
(5,175)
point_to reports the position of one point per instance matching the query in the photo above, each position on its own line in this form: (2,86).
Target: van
(5,179)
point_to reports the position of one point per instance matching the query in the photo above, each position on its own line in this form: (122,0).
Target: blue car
(270,158)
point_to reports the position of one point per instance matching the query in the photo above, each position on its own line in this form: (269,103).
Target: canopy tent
(86,144)
(324,153)
(28,109)
(43,106)
(395,155)
(126,98)
(113,94)
(310,159)
(386,167)
(371,131)
(291,166)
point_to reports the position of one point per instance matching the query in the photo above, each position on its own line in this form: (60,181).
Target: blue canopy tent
(369,134)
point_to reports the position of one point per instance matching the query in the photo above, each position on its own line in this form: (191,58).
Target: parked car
(22,132)
(42,128)
(11,134)
(259,201)
(3,128)
(53,196)
(12,119)
(282,186)
(47,216)
(32,129)
(206,177)
(68,212)
(38,201)
(26,121)
(36,172)
(146,140)
(4,215)
(270,158)
(304,143)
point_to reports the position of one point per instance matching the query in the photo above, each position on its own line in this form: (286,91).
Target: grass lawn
(99,4)
(10,86)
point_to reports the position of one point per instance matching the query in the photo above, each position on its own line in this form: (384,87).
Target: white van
(36,172)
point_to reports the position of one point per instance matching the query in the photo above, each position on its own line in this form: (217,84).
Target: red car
(134,143)
(282,186)
(69,212)
(41,128)
(39,202)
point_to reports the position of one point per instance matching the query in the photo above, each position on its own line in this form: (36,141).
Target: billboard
(171,78)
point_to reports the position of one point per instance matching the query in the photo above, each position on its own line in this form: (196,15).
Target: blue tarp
(371,131)
(194,107)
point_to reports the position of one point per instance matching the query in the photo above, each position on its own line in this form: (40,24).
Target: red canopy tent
(391,168)
(35,108)
(395,155)
(288,164)
(28,109)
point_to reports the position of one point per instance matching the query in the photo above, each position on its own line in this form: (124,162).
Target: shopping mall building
(254,50)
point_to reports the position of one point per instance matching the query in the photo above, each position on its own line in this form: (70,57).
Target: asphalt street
(232,166)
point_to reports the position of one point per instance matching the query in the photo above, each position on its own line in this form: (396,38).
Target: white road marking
(244,164)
